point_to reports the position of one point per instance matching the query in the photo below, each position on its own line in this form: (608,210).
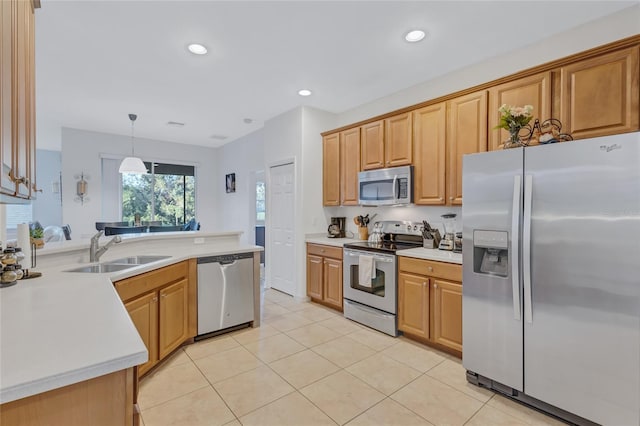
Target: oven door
(382,293)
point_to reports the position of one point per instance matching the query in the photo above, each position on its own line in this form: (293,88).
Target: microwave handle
(395,187)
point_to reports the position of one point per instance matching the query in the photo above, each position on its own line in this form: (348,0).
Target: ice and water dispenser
(490,252)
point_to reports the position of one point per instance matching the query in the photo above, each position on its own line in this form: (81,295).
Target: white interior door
(281,191)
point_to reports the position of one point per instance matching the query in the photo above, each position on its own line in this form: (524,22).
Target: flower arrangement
(513,118)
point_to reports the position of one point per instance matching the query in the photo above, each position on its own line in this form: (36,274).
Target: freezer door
(491,285)
(582,333)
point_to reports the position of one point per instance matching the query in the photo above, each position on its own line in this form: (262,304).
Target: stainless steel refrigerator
(551,276)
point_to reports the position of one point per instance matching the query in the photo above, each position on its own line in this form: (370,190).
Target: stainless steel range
(370,269)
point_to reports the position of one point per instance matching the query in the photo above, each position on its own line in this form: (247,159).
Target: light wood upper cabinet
(534,90)
(466,134)
(600,96)
(372,146)
(349,166)
(7,11)
(333,282)
(398,140)
(144,314)
(174,308)
(447,314)
(17,98)
(429,154)
(413,304)
(331,170)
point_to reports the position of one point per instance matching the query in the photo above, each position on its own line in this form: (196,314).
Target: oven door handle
(377,259)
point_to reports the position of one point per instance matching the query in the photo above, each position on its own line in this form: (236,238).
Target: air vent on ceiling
(175,124)
(219,137)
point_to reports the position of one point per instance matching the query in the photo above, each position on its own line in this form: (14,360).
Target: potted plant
(37,235)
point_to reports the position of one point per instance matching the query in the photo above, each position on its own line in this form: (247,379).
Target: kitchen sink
(136,260)
(100,268)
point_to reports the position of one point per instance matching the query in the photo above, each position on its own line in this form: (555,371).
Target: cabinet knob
(435,285)
(450,198)
(155,299)
(163,296)
(430,268)
(388,162)
(441,199)
(321,250)
(424,284)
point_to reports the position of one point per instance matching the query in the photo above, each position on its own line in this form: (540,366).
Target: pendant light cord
(132,117)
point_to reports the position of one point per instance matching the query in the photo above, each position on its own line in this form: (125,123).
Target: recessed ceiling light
(197,49)
(304,92)
(414,36)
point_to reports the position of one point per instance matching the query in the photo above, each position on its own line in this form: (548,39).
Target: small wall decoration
(82,187)
(231,182)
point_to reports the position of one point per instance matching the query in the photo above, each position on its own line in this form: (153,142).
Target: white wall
(47,207)
(82,151)
(244,157)
(623,24)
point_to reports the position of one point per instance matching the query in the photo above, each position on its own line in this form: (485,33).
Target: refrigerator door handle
(515,246)
(526,248)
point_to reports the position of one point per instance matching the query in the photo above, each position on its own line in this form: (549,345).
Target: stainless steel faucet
(95,251)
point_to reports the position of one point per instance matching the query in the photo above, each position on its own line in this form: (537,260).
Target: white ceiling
(97,61)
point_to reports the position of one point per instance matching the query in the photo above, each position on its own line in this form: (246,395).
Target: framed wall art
(231,182)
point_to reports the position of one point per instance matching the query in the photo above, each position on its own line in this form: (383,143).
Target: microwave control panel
(404,188)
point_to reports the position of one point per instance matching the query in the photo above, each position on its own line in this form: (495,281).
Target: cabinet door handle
(435,285)
(450,198)
(163,296)
(441,199)
(155,299)
(424,284)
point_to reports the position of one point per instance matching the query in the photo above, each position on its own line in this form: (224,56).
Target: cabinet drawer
(143,283)
(324,251)
(448,271)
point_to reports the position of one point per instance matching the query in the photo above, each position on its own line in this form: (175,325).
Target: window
(166,195)
(15,214)
(260,202)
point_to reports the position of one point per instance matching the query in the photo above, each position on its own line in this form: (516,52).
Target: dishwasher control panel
(225,258)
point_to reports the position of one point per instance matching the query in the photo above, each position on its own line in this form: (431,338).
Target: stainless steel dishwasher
(225,291)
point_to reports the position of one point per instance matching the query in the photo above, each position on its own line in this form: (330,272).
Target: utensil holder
(364,232)
(428,243)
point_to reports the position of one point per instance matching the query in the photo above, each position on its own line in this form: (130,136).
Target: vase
(514,138)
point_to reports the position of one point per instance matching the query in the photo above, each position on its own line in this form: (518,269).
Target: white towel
(366,270)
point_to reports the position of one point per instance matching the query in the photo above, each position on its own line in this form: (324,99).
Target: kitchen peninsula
(71,329)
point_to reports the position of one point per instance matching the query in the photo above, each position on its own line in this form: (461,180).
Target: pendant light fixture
(132,164)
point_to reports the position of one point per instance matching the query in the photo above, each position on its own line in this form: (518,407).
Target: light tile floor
(307,365)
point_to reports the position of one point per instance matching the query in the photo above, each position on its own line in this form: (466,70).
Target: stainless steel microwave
(385,187)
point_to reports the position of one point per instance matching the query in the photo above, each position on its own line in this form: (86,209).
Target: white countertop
(323,239)
(66,327)
(432,254)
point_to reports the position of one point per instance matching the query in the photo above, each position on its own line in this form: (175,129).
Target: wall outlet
(198,240)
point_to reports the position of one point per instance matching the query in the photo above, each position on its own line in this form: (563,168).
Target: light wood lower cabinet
(144,314)
(161,304)
(430,302)
(324,274)
(447,313)
(174,307)
(103,401)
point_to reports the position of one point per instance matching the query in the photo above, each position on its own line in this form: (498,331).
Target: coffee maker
(337,227)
